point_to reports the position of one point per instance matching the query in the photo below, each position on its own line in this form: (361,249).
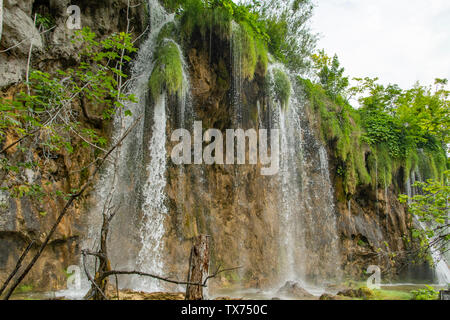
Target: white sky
(399,41)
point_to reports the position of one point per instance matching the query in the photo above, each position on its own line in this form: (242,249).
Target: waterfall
(236,68)
(309,243)
(288,222)
(152,230)
(408,190)
(386,199)
(441,267)
(137,188)
(442,270)
(440,264)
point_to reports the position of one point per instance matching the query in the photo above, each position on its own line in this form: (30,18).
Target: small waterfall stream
(154,209)
(306,197)
(140,178)
(442,270)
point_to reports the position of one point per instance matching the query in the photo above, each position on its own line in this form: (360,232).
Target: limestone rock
(18,34)
(25,5)
(19,29)
(327,296)
(293,289)
(364,293)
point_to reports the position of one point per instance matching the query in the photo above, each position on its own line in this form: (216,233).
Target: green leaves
(47,113)
(282,87)
(431,207)
(404,119)
(428,293)
(331,74)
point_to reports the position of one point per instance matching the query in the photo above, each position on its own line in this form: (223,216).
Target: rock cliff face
(236,205)
(23,219)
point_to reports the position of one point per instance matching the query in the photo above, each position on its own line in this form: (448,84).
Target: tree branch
(18,265)
(69,203)
(90,277)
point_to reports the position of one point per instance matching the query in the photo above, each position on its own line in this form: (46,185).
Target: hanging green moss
(432,164)
(282,87)
(168,31)
(249,48)
(262,54)
(411,163)
(381,166)
(197,15)
(350,175)
(339,125)
(440,160)
(167,73)
(244,51)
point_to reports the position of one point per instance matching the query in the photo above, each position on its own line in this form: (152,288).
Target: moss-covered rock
(282,87)
(167,73)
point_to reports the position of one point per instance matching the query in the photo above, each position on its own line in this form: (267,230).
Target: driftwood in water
(198,267)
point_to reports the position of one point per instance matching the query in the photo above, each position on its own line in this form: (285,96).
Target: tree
(432,209)
(41,117)
(287,25)
(330,74)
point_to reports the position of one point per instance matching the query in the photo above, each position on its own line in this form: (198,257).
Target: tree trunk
(104,265)
(1,18)
(198,267)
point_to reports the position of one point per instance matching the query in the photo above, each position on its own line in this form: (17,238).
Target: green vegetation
(383,294)
(25,288)
(393,129)
(431,207)
(339,126)
(44,22)
(228,21)
(168,70)
(252,30)
(429,293)
(282,87)
(330,74)
(39,116)
(244,50)
(290,39)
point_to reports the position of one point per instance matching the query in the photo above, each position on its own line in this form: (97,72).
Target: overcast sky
(399,41)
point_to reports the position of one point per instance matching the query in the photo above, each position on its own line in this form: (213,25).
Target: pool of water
(233,293)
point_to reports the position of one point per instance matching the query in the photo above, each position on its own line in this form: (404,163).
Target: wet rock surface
(363,293)
(294,290)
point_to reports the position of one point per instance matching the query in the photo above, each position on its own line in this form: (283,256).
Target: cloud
(401,41)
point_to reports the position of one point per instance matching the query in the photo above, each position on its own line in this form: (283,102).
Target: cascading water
(154,209)
(440,264)
(441,267)
(236,52)
(309,244)
(136,187)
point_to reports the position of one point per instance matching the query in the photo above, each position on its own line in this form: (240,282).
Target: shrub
(429,293)
(282,87)
(167,73)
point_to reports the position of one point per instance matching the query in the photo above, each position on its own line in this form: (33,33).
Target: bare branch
(219,271)
(18,265)
(144,274)
(69,203)
(90,277)
(26,39)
